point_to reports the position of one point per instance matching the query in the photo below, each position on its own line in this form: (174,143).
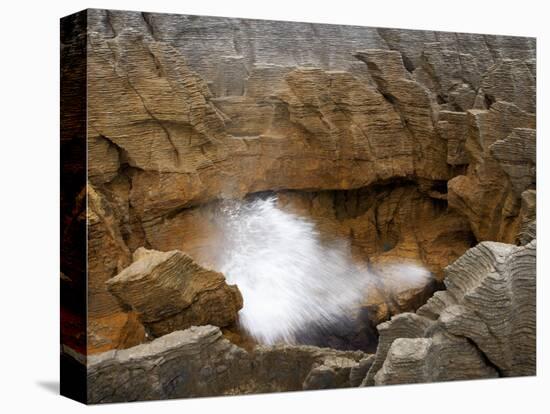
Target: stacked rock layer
(411,145)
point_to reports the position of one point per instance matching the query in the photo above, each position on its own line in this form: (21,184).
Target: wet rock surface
(482,326)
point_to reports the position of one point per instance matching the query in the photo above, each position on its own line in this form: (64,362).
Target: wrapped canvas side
(73,206)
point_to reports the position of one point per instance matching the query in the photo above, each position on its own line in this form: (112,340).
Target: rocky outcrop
(359,371)
(376,113)
(482,326)
(428,128)
(385,226)
(109,324)
(517,157)
(488,194)
(410,146)
(440,358)
(198,362)
(169,292)
(528,216)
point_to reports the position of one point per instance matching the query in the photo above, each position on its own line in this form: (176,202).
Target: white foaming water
(289,279)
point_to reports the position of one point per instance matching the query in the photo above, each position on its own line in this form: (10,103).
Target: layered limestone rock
(501,166)
(398,230)
(189,148)
(177,126)
(528,216)
(440,358)
(109,324)
(169,291)
(171,123)
(482,326)
(517,157)
(198,362)
(185,110)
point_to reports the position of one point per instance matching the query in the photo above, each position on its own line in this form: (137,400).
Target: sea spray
(291,281)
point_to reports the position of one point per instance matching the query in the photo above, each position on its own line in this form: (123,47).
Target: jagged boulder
(359,371)
(170,292)
(483,325)
(199,362)
(332,372)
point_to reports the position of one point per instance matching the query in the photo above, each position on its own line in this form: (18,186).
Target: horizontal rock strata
(169,291)
(482,326)
(184,110)
(198,362)
(409,145)
(109,324)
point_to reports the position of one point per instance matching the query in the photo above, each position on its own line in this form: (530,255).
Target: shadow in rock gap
(348,333)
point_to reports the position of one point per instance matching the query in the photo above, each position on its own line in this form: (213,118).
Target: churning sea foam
(290,280)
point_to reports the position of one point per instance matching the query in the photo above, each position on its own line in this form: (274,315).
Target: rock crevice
(482,326)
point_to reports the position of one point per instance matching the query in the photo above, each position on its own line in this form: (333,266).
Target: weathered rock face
(413,146)
(109,325)
(528,213)
(487,194)
(482,326)
(169,292)
(198,362)
(377,114)
(410,144)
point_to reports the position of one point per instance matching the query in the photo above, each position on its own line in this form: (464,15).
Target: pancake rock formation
(169,292)
(401,146)
(199,362)
(482,326)
(427,128)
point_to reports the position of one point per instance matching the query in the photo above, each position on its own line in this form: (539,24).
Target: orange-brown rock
(169,292)
(190,147)
(118,330)
(314,120)
(429,125)
(109,326)
(306,128)
(108,253)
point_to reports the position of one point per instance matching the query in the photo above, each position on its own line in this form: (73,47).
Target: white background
(29,217)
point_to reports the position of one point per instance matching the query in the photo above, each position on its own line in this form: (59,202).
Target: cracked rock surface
(199,362)
(483,325)
(169,292)
(413,145)
(436,128)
